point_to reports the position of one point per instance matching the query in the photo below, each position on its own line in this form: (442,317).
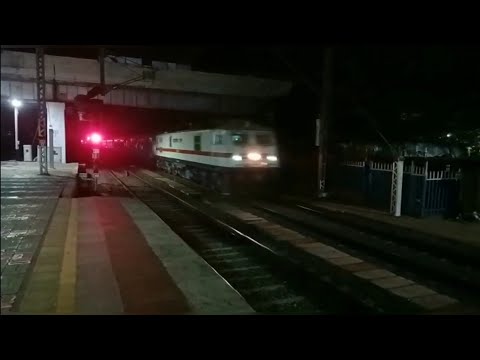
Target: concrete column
(398,198)
(56,122)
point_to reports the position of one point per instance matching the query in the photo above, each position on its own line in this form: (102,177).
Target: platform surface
(27,203)
(97,255)
(17,169)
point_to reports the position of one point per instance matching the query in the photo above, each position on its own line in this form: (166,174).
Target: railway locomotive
(224,158)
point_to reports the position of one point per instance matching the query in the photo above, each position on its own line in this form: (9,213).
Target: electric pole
(101,60)
(323,119)
(42,111)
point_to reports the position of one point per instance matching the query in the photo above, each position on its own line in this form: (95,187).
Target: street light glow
(16,103)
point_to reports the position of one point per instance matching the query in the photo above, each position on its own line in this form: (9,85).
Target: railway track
(269,282)
(437,275)
(446,273)
(441,247)
(442,274)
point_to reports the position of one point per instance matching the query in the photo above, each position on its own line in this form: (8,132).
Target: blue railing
(426,192)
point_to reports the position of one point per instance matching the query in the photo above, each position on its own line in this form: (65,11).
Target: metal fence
(365,183)
(427,190)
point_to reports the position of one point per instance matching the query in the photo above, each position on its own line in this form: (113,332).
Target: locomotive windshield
(239,139)
(264,139)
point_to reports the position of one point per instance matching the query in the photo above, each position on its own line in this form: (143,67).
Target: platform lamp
(16,105)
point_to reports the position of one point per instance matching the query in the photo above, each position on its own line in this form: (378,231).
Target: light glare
(16,103)
(254,156)
(96,138)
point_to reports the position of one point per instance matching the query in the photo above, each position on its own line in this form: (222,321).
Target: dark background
(405,93)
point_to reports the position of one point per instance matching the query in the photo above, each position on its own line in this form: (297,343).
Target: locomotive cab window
(264,139)
(170,141)
(239,139)
(197,142)
(217,139)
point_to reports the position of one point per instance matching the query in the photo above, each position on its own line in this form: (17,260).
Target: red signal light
(96,138)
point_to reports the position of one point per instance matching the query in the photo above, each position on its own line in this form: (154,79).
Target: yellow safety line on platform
(66,288)
(40,295)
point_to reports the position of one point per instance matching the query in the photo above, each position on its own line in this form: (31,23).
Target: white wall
(56,121)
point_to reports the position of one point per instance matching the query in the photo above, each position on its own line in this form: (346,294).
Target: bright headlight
(254,156)
(272,158)
(236,158)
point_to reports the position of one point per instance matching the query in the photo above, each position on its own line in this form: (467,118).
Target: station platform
(24,169)
(97,255)
(27,203)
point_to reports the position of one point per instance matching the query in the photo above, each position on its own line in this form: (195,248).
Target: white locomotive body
(220,157)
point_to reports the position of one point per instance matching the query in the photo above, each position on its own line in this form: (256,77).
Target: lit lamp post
(16,104)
